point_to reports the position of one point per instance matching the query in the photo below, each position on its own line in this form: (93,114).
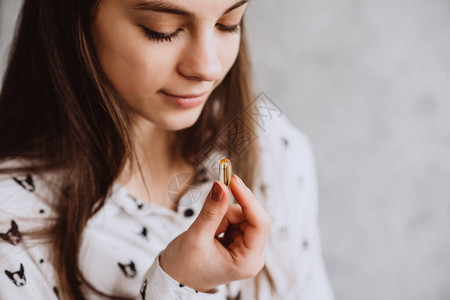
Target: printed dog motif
(129,270)
(143,289)
(18,277)
(13,235)
(26,182)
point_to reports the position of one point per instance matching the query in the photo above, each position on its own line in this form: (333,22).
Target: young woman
(113,117)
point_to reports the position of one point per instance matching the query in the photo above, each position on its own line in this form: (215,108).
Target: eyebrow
(164,7)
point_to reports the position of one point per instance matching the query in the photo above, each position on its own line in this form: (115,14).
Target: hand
(198,258)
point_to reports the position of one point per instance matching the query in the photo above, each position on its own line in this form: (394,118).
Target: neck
(158,161)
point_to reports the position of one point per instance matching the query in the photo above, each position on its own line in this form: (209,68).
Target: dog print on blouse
(13,235)
(144,233)
(143,289)
(129,270)
(56,291)
(138,204)
(25,181)
(18,277)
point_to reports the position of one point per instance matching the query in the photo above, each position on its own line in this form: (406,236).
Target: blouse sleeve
(159,285)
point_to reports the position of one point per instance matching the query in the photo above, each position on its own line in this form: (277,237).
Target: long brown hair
(59,112)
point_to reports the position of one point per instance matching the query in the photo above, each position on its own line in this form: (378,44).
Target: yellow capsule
(225,171)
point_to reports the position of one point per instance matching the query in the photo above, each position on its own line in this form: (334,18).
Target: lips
(193,95)
(186,100)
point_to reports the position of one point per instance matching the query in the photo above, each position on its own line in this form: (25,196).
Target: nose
(200,59)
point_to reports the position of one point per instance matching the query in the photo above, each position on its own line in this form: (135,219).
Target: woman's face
(191,52)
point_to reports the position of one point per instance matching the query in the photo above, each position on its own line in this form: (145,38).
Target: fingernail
(239,180)
(216,192)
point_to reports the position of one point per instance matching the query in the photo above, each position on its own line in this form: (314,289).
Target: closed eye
(167,37)
(232,29)
(159,36)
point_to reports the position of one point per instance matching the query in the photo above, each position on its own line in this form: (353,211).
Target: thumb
(213,211)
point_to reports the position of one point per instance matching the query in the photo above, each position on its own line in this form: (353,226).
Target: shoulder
(287,148)
(274,129)
(288,173)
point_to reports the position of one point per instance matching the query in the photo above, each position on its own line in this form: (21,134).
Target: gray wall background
(369,82)
(8,14)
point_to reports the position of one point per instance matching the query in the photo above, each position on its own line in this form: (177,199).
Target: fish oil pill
(225,171)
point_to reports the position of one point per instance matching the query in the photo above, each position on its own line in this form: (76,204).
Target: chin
(180,122)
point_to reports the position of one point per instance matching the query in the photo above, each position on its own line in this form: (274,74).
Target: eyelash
(167,37)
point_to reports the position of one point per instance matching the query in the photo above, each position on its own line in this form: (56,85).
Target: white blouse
(119,252)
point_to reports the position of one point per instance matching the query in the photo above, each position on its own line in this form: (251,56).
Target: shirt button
(188,212)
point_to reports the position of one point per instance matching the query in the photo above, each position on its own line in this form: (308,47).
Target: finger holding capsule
(258,220)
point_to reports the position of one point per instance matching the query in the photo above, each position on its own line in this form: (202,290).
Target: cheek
(133,67)
(228,52)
